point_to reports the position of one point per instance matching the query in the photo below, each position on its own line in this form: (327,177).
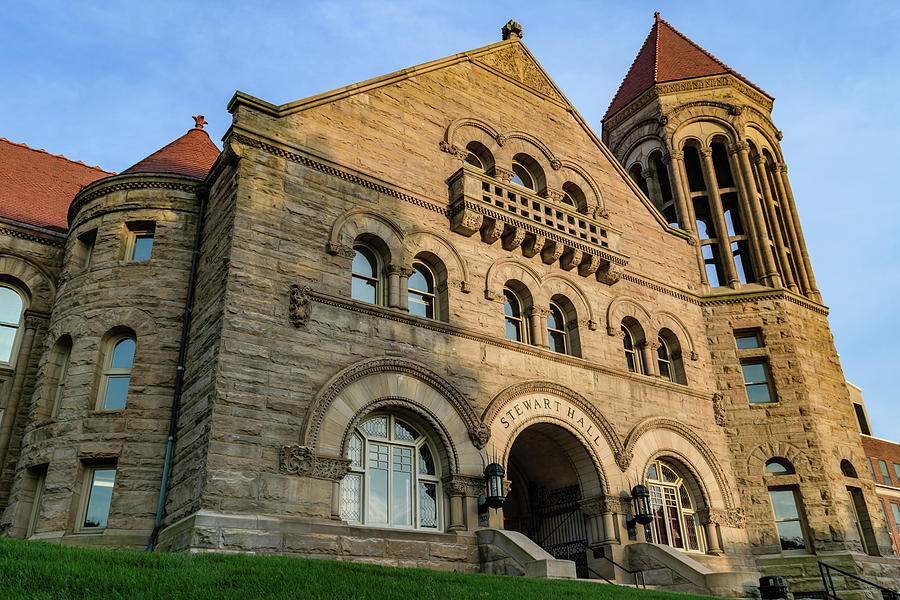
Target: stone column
(744,199)
(759,164)
(653,190)
(781,180)
(23,360)
(398,286)
(772,278)
(648,356)
(336,500)
(538,319)
(718,215)
(710,518)
(675,161)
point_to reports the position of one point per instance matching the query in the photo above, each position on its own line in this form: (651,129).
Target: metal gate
(559,525)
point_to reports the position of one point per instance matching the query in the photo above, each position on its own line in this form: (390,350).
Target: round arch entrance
(551,472)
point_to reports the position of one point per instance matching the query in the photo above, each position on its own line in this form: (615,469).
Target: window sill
(99,412)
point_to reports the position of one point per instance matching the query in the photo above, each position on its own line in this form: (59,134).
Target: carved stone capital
(300,306)
(780,167)
(555,195)
(706,152)
(303,461)
(673,155)
(337,249)
(536,310)
(615,332)
(34,319)
(463,485)
(692,241)
(653,345)
(610,273)
(504,175)
(401,270)
(593,507)
(647,174)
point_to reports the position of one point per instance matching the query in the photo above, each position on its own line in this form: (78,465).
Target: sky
(108,83)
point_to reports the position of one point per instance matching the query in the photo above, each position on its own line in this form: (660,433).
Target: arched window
(522,176)
(663,360)
(847,469)
(479,156)
(422,294)
(12,310)
(515,320)
(779,466)
(117,373)
(366,279)
(573,196)
(674,521)
(394,477)
(632,356)
(556,330)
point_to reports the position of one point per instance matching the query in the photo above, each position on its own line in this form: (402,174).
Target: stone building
(314,342)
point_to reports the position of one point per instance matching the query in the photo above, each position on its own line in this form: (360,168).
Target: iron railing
(638,574)
(831,592)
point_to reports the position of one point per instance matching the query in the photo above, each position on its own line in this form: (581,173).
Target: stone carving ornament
(300,305)
(303,461)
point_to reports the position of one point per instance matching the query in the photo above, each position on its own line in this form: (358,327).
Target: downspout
(203,194)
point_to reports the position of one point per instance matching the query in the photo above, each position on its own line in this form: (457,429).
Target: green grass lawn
(41,570)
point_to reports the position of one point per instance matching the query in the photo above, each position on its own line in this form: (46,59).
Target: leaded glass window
(674,521)
(394,477)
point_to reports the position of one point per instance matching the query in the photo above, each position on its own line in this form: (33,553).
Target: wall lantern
(640,497)
(493,478)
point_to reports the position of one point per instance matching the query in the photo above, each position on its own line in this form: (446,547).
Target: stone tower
(698,139)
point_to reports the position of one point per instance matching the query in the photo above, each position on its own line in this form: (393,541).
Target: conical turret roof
(191,155)
(667,55)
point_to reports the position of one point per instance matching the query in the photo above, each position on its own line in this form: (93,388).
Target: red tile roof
(667,55)
(36,187)
(192,155)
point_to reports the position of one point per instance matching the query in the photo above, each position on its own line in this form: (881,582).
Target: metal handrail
(825,571)
(634,574)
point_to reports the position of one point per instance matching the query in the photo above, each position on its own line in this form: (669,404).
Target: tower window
(663,360)
(632,357)
(140,240)
(522,176)
(756,382)
(117,374)
(99,483)
(12,310)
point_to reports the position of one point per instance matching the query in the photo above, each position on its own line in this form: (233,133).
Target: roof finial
(656,16)
(199,122)
(512,29)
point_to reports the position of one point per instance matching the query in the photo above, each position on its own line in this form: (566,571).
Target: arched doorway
(547,467)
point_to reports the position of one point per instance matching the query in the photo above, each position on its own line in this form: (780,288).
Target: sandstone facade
(285,363)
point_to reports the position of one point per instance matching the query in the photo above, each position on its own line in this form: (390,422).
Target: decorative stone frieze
(463,485)
(719,409)
(303,461)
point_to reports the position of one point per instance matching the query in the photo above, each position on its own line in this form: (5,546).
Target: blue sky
(108,83)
